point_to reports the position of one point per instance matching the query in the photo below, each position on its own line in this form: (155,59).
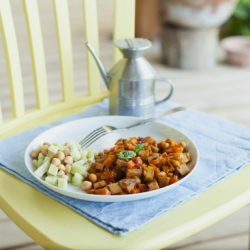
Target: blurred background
(202,46)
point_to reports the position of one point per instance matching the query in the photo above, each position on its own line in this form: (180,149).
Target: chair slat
(12,58)
(37,52)
(91,36)
(124,22)
(65,48)
(1,115)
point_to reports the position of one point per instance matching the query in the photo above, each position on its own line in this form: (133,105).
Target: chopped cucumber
(35,163)
(84,152)
(53,149)
(79,169)
(53,170)
(74,152)
(91,159)
(59,145)
(47,159)
(92,153)
(79,163)
(42,169)
(62,183)
(69,177)
(77,179)
(53,180)
(40,159)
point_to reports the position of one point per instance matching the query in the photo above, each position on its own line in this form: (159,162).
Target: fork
(106,129)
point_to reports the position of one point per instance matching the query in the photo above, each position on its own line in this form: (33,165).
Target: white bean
(86,185)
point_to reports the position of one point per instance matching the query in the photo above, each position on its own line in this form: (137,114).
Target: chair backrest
(46,111)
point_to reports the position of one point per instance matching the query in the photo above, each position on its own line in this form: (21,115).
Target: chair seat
(46,220)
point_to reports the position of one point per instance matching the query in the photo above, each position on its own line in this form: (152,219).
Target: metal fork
(106,129)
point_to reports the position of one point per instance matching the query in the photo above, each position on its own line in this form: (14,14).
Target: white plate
(78,129)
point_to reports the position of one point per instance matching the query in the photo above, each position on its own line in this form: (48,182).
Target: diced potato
(115,188)
(175,163)
(149,173)
(185,157)
(163,179)
(128,184)
(153,185)
(142,187)
(183,169)
(144,154)
(138,180)
(134,172)
(99,166)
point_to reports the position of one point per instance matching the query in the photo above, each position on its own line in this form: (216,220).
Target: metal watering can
(131,81)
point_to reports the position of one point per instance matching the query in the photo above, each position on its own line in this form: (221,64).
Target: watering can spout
(102,69)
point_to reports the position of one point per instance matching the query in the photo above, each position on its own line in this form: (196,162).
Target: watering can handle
(162,79)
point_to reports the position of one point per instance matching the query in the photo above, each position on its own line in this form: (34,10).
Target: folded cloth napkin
(224,148)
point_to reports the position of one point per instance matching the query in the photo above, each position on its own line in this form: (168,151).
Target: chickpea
(45,150)
(51,154)
(61,167)
(165,145)
(92,178)
(56,161)
(86,185)
(46,143)
(175,163)
(66,151)
(85,175)
(183,144)
(60,155)
(68,160)
(61,173)
(34,153)
(65,176)
(67,168)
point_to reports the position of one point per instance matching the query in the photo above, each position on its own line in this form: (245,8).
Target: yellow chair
(63,228)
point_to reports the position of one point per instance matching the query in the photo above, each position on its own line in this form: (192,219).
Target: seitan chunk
(153,157)
(153,185)
(128,184)
(115,188)
(121,165)
(134,172)
(149,173)
(183,169)
(163,179)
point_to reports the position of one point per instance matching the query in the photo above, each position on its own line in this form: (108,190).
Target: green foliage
(239,23)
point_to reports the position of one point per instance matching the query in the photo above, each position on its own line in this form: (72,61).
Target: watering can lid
(133,44)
